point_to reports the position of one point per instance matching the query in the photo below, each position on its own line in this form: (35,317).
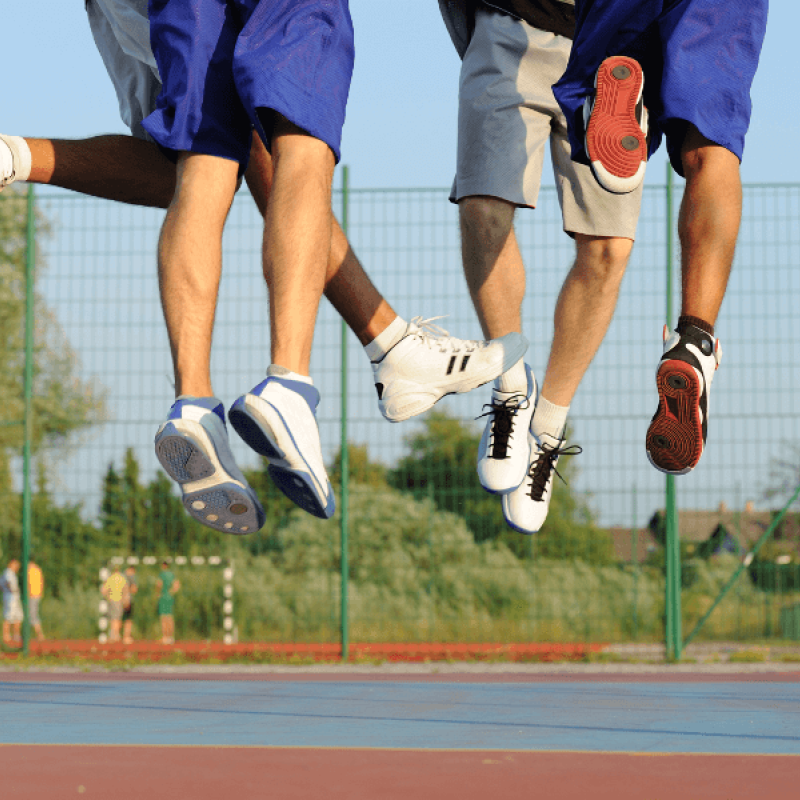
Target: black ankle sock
(684,321)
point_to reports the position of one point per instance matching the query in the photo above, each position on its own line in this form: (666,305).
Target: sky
(401,117)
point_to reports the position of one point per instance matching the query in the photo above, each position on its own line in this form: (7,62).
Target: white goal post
(230,635)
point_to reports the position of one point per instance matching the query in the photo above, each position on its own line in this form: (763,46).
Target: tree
(362,470)
(441,465)
(62,402)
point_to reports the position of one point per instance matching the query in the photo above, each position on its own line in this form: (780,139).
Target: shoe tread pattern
(676,435)
(183,461)
(613,118)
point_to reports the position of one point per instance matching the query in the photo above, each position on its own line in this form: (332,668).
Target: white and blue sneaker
(192,446)
(277,419)
(503,452)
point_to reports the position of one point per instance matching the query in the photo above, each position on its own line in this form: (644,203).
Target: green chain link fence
(429,557)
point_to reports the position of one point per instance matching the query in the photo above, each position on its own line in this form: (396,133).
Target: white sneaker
(677,433)
(192,446)
(503,453)
(277,419)
(525,509)
(15,160)
(428,363)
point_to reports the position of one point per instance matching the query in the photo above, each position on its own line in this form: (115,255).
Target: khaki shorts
(121,30)
(507,114)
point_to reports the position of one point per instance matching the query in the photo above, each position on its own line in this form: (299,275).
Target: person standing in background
(12,604)
(127,605)
(168,586)
(113,591)
(35,593)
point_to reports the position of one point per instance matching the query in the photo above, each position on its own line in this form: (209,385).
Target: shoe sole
(615,143)
(467,385)
(271,437)
(209,494)
(675,437)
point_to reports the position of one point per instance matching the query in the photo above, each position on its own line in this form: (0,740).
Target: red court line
(42,772)
(91,649)
(300,676)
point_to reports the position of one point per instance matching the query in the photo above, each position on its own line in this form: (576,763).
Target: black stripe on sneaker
(464,363)
(451,364)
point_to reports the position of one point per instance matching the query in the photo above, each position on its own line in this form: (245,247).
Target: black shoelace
(502,423)
(545,464)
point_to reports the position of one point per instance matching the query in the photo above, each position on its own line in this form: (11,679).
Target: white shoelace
(431,335)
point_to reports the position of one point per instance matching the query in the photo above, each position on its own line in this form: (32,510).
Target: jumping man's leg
(190,264)
(297,242)
(113,167)
(583,313)
(192,445)
(708,225)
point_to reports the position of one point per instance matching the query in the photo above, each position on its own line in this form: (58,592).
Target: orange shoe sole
(614,138)
(675,437)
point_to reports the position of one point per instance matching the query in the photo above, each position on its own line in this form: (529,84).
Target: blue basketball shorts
(699,59)
(223,61)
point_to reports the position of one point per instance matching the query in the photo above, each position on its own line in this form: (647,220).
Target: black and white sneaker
(428,363)
(677,433)
(525,509)
(503,452)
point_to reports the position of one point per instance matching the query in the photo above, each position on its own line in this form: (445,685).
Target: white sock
(513,380)
(549,418)
(274,371)
(386,339)
(15,159)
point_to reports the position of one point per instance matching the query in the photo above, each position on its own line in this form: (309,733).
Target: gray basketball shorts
(506,115)
(121,30)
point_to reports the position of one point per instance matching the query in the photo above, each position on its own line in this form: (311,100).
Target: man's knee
(485,220)
(701,155)
(602,259)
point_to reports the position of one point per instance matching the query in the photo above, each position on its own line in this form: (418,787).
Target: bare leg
(113,167)
(493,264)
(708,224)
(583,313)
(190,264)
(297,241)
(347,286)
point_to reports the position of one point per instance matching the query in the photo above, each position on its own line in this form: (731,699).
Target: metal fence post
(635,565)
(30,263)
(673,547)
(345,456)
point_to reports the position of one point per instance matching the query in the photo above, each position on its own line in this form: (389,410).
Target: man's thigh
(506,108)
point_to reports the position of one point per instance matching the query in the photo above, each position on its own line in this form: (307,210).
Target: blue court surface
(760,718)
(523,715)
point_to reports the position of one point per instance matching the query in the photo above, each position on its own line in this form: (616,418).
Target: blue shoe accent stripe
(308,392)
(209,403)
(250,431)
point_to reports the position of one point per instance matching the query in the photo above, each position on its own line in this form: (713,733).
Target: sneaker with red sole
(615,121)
(677,433)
